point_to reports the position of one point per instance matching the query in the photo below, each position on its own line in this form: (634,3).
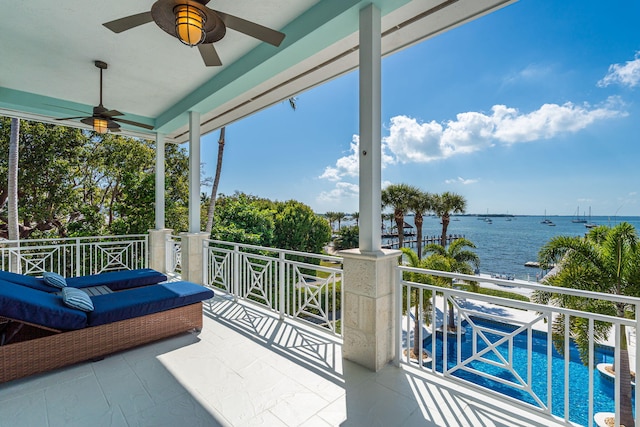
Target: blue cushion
(145,300)
(118,280)
(54,279)
(30,281)
(77,299)
(41,308)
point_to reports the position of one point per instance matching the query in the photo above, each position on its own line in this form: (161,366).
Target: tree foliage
(606,260)
(73,182)
(348,238)
(290,225)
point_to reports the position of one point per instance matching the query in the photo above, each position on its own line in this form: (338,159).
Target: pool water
(578,373)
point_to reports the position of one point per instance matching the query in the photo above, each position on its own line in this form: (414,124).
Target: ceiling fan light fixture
(190,24)
(100,125)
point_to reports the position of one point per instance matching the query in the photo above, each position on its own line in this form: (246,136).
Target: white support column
(160,172)
(369,312)
(194,172)
(370,123)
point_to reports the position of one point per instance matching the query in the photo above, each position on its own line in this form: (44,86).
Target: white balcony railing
(294,284)
(76,256)
(174,255)
(506,346)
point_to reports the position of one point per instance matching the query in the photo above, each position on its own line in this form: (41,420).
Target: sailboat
(590,224)
(545,220)
(577,219)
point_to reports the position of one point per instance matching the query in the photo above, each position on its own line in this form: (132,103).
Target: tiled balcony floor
(246,368)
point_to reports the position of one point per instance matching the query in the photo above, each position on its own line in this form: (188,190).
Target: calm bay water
(504,246)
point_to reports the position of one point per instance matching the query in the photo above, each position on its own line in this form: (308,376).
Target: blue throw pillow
(54,279)
(76,298)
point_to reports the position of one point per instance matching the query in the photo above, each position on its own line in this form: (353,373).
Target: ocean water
(504,246)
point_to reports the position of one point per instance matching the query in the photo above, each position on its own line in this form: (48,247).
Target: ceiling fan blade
(129,122)
(252,29)
(71,118)
(209,55)
(111,113)
(129,22)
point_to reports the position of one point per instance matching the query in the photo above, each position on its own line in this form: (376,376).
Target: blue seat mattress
(41,308)
(115,280)
(145,300)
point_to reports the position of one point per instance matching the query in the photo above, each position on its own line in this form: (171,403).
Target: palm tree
(339,217)
(331,217)
(389,217)
(356,216)
(444,205)
(398,197)
(216,181)
(420,204)
(606,260)
(416,262)
(457,258)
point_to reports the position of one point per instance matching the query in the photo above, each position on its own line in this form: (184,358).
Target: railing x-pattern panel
(294,284)
(174,254)
(75,256)
(511,347)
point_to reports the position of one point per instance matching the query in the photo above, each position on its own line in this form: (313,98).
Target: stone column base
(158,249)
(192,255)
(368,315)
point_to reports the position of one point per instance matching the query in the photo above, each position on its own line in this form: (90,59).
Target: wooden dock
(393,243)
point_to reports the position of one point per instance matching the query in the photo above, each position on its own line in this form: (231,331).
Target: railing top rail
(73,239)
(276,250)
(528,285)
(523,305)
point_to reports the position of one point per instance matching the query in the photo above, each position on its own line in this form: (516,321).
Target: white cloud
(460,180)
(342,190)
(348,166)
(410,141)
(627,74)
(532,72)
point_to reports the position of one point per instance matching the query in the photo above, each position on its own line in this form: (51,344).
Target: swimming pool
(578,373)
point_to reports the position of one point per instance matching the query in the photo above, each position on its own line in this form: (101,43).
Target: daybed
(41,333)
(115,280)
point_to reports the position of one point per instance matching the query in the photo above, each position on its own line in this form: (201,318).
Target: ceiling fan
(194,24)
(103,120)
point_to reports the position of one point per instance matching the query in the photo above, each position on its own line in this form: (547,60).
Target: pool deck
(247,368)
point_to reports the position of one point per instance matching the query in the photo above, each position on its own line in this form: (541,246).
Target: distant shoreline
(505,215)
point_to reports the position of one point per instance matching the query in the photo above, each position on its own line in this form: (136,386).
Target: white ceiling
(48,49)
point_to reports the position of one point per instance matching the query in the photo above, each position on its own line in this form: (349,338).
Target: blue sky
(535,107)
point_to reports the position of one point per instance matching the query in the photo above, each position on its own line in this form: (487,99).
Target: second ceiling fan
(194,24)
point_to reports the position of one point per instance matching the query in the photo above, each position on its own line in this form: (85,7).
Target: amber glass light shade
(189,24)
(100,125)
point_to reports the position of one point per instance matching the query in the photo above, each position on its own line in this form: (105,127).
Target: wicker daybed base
(24,358)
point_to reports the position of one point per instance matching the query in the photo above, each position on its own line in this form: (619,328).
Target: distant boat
(545,220)
(577,219)
(590,224)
